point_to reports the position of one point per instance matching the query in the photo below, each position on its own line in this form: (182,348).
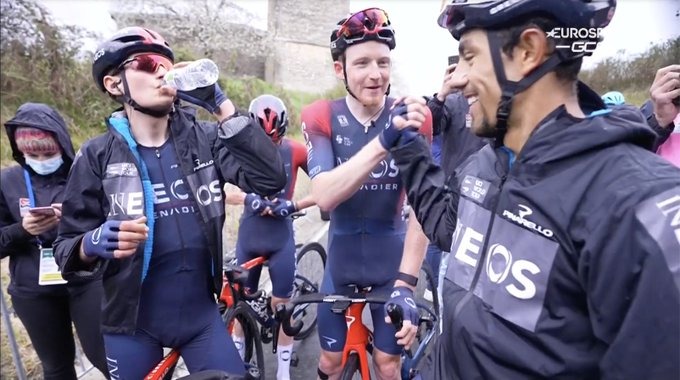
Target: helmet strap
(344,73)
(511,88)
(136,106)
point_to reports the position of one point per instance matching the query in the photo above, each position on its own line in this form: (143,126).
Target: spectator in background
(449,114)
(662,112)
(46,305)
(613,99)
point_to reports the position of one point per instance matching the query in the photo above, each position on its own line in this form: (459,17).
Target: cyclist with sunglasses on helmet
(355,179)
(144,206)
(564,233)
(268,216)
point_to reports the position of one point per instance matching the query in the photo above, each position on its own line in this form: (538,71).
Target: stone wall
(301,30)
(292,53)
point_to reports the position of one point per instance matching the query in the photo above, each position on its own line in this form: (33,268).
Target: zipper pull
(158,153)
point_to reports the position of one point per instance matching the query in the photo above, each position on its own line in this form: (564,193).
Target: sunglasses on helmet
(368,21)
(148,63)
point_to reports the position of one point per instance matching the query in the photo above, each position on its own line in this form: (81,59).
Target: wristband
(407,278)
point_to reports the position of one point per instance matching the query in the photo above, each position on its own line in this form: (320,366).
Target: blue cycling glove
(284,209)
(390,136)
(402,297)
(209,97)
(254,203)
(102,241)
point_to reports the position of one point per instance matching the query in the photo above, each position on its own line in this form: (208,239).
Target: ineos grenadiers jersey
(367,231)
(252,225)
(294,156)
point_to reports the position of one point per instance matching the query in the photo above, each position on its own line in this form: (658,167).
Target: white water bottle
(201,73)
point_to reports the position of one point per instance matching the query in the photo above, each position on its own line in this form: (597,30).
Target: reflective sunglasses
(148,63)
(368,21)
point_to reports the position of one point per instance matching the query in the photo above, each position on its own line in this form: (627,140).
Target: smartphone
(453,60)
(48,210)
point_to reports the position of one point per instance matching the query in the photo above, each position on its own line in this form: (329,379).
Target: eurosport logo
(578,40)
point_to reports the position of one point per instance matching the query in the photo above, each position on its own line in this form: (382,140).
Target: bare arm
(415,246)
(305,202)
(331,188)
(235,198)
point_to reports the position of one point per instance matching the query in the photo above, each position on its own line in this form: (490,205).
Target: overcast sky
(422,46)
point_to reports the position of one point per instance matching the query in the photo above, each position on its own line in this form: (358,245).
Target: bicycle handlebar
(396,314)
(284,312)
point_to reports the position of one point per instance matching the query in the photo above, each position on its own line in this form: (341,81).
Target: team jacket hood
(46,118)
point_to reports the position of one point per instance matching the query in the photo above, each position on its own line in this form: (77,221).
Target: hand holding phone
(452,81)
(39,220)
(665,94)
(42,211)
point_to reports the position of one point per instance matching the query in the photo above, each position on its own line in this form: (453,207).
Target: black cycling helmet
(461,16)
(271,114)
(371,24)
(113,51)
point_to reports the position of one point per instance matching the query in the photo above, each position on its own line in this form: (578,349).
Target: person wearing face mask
(355,179)
(144,207)
(45,304)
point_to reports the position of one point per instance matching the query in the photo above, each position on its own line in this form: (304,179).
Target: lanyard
(31,198)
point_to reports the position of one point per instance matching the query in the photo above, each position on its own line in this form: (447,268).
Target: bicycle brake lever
(283,314)
(396,315)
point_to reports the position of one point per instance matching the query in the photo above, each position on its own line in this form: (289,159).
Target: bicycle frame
(358,334)
(166,365)
(357,338)
(232,292)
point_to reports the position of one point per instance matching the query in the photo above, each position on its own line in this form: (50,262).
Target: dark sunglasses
(149,63)
(368,21)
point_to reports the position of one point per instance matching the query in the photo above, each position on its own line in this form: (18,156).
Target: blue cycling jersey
(279,244)
(177,288)
(366,231)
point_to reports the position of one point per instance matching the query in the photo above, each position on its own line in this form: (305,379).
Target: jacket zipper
(179,227)
(480,263)
(184,169)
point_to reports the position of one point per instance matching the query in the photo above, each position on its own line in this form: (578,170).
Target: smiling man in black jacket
(144,205)
(565,235)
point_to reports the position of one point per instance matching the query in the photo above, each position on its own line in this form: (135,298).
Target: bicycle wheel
(254,356)
(352,368)
(310,266)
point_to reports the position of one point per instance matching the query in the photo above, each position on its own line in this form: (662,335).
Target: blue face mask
(45,167)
